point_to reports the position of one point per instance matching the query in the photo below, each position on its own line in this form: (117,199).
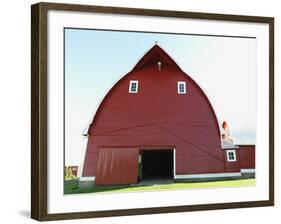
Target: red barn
(156,122)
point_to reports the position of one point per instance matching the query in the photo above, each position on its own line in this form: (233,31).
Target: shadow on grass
(95,189)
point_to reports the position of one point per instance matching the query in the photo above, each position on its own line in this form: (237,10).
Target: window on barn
(181,87)
(133,87)
(231,155)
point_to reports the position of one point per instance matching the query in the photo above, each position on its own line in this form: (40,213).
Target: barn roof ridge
(154,54)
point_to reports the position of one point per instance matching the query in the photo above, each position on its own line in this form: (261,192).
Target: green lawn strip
(189,185)
(173,186)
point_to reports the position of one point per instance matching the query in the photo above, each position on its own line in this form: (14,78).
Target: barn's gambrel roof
(155,54)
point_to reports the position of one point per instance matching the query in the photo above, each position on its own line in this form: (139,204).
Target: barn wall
(232,166)
(190,158)
(247,156)
(194,160)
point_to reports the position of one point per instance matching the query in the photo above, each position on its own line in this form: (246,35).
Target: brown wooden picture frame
(39,149)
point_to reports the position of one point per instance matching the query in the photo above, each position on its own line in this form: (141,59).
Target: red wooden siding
(117,166)
(247,156)
(158,116)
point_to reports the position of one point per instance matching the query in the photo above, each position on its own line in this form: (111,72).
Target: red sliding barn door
(117,166)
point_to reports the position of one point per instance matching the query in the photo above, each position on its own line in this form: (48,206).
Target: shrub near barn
(71,181)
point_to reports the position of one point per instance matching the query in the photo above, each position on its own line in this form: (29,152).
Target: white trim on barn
(230,147)
(248,170)
(181,91)
(131,90)
(174,158)
(228,152)
(87,178)
(207,175)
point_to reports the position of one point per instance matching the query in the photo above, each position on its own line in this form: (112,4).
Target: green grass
(172,186)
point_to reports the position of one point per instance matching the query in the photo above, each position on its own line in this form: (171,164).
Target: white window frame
(234,155)
(130,86)
(184,84)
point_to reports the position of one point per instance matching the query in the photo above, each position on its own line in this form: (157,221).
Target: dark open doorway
(156,164)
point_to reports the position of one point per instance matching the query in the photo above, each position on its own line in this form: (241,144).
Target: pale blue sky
(224,67)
